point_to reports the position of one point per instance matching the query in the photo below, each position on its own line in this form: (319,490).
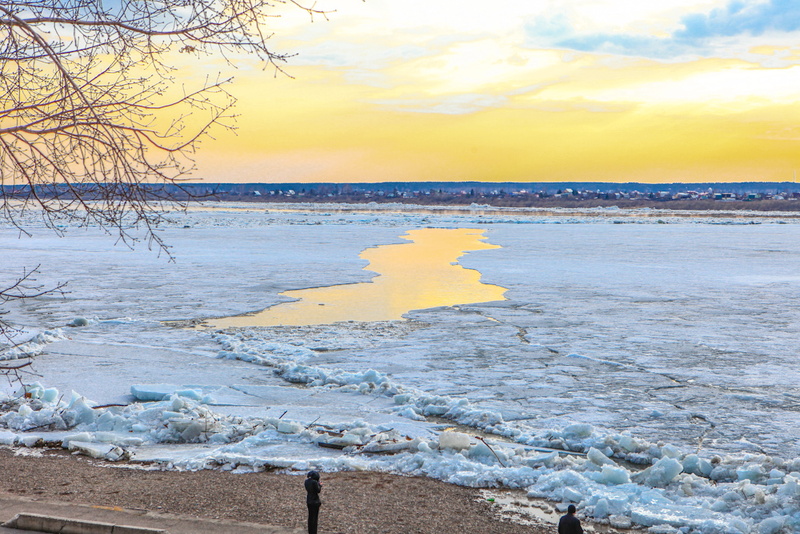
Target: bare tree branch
(90,122)
(93,127)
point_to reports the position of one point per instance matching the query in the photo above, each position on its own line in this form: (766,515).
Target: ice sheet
(641,334)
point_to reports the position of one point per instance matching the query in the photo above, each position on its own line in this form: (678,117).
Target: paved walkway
(11,506)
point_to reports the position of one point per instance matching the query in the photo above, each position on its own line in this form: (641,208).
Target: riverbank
(354,502)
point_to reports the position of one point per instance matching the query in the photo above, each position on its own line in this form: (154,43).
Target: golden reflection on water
(411,276)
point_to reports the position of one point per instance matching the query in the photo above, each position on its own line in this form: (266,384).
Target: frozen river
(683,333)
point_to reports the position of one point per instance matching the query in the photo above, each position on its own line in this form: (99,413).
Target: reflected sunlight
(411,276)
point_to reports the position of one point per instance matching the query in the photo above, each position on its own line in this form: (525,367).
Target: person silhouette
(569,524)
(313,489)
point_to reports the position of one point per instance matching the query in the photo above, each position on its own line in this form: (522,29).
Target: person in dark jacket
(313,489)
(569,524)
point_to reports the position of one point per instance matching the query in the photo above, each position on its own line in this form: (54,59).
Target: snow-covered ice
(662,356)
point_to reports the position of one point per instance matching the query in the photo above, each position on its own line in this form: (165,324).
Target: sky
(513,90)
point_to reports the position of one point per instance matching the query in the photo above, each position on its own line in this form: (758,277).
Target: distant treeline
(488,188)
(705,196)
(781,196)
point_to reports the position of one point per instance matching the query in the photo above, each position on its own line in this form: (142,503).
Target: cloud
(333,54)
(449,105)
(740,17)
(715,86)
(556,26)
(635,45)
(694,36)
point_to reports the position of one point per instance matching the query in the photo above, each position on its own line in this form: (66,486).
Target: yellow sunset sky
(567,90)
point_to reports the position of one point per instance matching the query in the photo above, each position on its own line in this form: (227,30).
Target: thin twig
(491,449)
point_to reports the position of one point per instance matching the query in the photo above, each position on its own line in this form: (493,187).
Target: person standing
(569,524)
(313,489)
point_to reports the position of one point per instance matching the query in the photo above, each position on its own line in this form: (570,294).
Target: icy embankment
(675,492)
(745,494)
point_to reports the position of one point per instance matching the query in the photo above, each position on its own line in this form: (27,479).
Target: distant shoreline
(698,197)
(710,196)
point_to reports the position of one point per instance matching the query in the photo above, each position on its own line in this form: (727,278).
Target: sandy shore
(353,502)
